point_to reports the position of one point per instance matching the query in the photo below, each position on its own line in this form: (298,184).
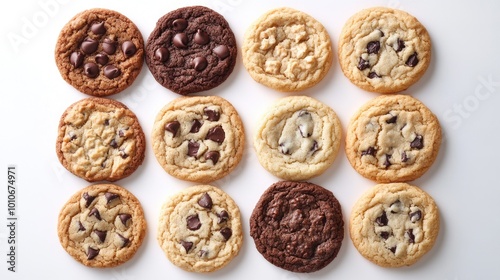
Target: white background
(461,86)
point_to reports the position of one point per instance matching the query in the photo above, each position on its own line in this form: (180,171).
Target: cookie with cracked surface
(298,138)
(100,139)
(200,229)
(393,138)
(287,50)
(384,50)
(99,52)
(297,226)
(394,225)
(198,138)
(102,225)
(191,49)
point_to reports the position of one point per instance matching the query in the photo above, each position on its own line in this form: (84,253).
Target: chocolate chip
(373,47)
(382,220)
(387,161)
(106,122)
(180,24)
(363,64)
(401,45)
(222,217)
(91,69)
(201,37)
(393,119)
(212,115)
(283,149)
(162,54)
(100,234)
(415,216)
(81,227)
(384,234)
(411,236)
(226,233)
(73,136)
(404,157)
(187,245)
(109,46)
(395,207)
(195,127)
(193,149)
(193,222)
(110,196)
(418,142)
(314,147)
(373,75)
(393,249)
(180,40)
(203,254)
(89,45)
(102,58)
(370,151)
(381,33)
(125,241)
(76,59)
(124,218)
(92,253)
(200,63)
(216,134)
(173,127)
(412,60)
(205,201)
(94,212)
(123,154)
(121,133)
(88,199)
(221,51)
(213,156)
(98,28)
(113,144)
(128,48)
(111,71)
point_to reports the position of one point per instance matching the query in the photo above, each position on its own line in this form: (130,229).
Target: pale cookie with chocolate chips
(99,52)
(393,138)
(384,50)
(102,225)
(394,225)
(200,229)
(100,139)
(298,138)
(287,50)
(198,138)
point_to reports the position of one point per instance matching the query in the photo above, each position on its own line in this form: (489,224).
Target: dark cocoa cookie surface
(297,226)
(192,49)
(99,52)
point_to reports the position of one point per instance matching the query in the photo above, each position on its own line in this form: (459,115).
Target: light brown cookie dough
(393,138)
(298,138)
(200,229)
(100,139)
(102,225)
(198,138)
(394,225)
(99,52)
(287,50)
(384,50)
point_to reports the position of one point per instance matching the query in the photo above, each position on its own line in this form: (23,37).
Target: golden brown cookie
(384,50)
(287,50)
(102,225)
(393,138)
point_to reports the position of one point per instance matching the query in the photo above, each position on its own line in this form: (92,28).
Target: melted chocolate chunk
(404,157)
(384,234)
(393,119)
(370,151)
(221,51)
(89,45)
(213,156)
(109,46)
(125,241)
(173,127)
(203,254)
(212,115)
(382,220)
(222,217)
(91,70)
(418,142)
(179,24)
(412,60)
(111,71)
(102,58)
(106,122)
(201,37)
(373,47)
(123,154)
(415,216)
(216,134)
(113,144)
(387,162)
(88,199)
(363,64)
(373,75)
(226,233)
(187,245)
(393,249)
(162,54)
(411,236)
(193,222)
(129,48)
(180,40)
(401,45)
(100,234)
(80,226)
(92,253)
(76,59)
(193,149)
(110,196)
(314,147)
(195,127)
(124,218)
(94,212)
(98,28)
(200,63)
(205,201)
(396,207)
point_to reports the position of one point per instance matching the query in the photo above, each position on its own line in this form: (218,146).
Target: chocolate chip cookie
(200,229)
(394,225)
(287,50)
(198,138)
(102,225)
(191,49)
(393,138)
(297,226)
(100,139)
(99,52)
(384,50)
(298,138)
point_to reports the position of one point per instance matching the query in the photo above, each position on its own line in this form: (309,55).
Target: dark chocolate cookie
(192,49)
(297,226)
(99,52)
